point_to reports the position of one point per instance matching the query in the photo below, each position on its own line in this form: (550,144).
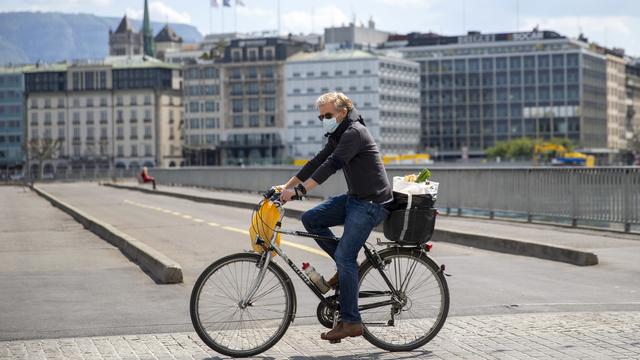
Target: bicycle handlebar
(274,195)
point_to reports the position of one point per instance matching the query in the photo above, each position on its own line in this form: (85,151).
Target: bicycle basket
(263,223)
(410,227)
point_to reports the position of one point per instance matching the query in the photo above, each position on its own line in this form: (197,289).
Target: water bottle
(315,277)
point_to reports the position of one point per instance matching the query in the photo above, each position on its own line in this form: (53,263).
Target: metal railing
(579,196)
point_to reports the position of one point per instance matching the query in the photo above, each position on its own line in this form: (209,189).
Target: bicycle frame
(268,255)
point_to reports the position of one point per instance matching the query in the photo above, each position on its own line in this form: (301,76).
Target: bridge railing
(599,196)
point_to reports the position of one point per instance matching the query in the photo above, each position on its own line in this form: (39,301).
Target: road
(195,234)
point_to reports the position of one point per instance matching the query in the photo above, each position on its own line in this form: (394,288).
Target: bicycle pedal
(335,341)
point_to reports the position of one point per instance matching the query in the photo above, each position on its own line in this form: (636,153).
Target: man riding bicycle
(350,147)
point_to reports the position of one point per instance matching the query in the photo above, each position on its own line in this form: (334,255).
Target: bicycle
(242,304)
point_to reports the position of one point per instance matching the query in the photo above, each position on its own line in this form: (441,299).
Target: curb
(491,243)
(160,267)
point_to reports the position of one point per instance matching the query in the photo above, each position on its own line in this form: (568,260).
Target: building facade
(352,36)
(120,113)
(478,89)
(254,98)
(616,103)
(11,118)
(384,89)
(203,128)
(125,41)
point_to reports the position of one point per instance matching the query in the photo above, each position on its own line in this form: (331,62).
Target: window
(270,120)
(237,121)
(194,107)
(120,150)
(133,100)
(194,123)
(120,133)
(103,132)
(254,121)
(147,99)
(89,102)
(60,118)
(253,88)
(90,133)
(89,117)
(134,150)
(133,115)
(103,116)
(254,105)
(147,132)
(119,100)
(236,106)
(269,88)
(147,115)
(210,123)
(147,150)
(134,132)
(270,104)
(103,101)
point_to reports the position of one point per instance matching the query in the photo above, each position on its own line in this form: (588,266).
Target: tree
(39,150)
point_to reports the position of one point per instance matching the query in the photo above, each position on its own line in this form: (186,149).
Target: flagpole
(278,17)
(222,16)
(235,17)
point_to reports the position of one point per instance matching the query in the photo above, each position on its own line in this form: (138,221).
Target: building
(167,40)
(478,89)
(254,97)
(125,41)
(616,103)
(203,128)
(384,89)
(354,37)
(11,118)
(123,112)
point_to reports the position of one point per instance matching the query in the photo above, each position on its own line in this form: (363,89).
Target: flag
(239,3)
(226,3)
(214,3)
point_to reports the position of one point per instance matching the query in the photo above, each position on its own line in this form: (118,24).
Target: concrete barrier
(160,267)
(502,245)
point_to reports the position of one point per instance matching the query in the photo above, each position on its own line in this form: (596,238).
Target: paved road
(86,294)
(58,279)
(525,336)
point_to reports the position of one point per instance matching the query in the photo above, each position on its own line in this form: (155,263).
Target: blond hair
(340,100)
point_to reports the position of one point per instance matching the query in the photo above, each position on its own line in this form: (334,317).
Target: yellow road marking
(305,248)
(242,231)
(230,228)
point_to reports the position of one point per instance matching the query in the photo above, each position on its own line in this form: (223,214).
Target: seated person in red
(146,178)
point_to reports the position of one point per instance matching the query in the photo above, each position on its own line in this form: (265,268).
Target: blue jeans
(359,218)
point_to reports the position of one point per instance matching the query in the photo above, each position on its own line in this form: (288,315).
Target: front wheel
(229,326)
(417,315)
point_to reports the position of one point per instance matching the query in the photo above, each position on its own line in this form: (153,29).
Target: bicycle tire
(290,307)
(421,256)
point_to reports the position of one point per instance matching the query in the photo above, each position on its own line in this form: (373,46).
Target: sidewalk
(576,246)
(610,335)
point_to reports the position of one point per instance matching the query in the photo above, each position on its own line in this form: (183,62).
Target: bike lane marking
(230,228)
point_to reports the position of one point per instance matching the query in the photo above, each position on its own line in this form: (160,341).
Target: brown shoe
(333,282)
(342,331)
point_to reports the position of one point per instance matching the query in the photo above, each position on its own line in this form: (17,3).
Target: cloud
(304,21)
(610,30)
(159,11)
(408,3)
(55,5)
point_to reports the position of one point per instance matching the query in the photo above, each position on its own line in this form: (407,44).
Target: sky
(613,23)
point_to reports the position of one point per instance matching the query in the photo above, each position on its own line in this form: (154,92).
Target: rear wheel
(418,314)
(221,320)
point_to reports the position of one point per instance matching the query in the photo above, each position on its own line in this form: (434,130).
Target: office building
(352,36)
(254,99)
(478,89)
(384,89)
(203,128)
(123,112)
(11,118)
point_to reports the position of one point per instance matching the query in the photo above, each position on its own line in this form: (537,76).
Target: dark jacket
(351,148)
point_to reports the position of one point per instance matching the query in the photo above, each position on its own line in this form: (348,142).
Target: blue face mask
(329,125)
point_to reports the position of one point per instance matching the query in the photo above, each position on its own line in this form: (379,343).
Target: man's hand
(280,187)
(286,195)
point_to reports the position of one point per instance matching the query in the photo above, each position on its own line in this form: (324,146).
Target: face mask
(329,125)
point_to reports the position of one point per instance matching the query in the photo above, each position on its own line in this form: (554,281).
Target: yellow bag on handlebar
(263,222)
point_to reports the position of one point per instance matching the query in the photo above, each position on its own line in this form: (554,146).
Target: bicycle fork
(263,264)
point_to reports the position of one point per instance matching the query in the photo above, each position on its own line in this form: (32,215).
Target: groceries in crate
(412,217)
